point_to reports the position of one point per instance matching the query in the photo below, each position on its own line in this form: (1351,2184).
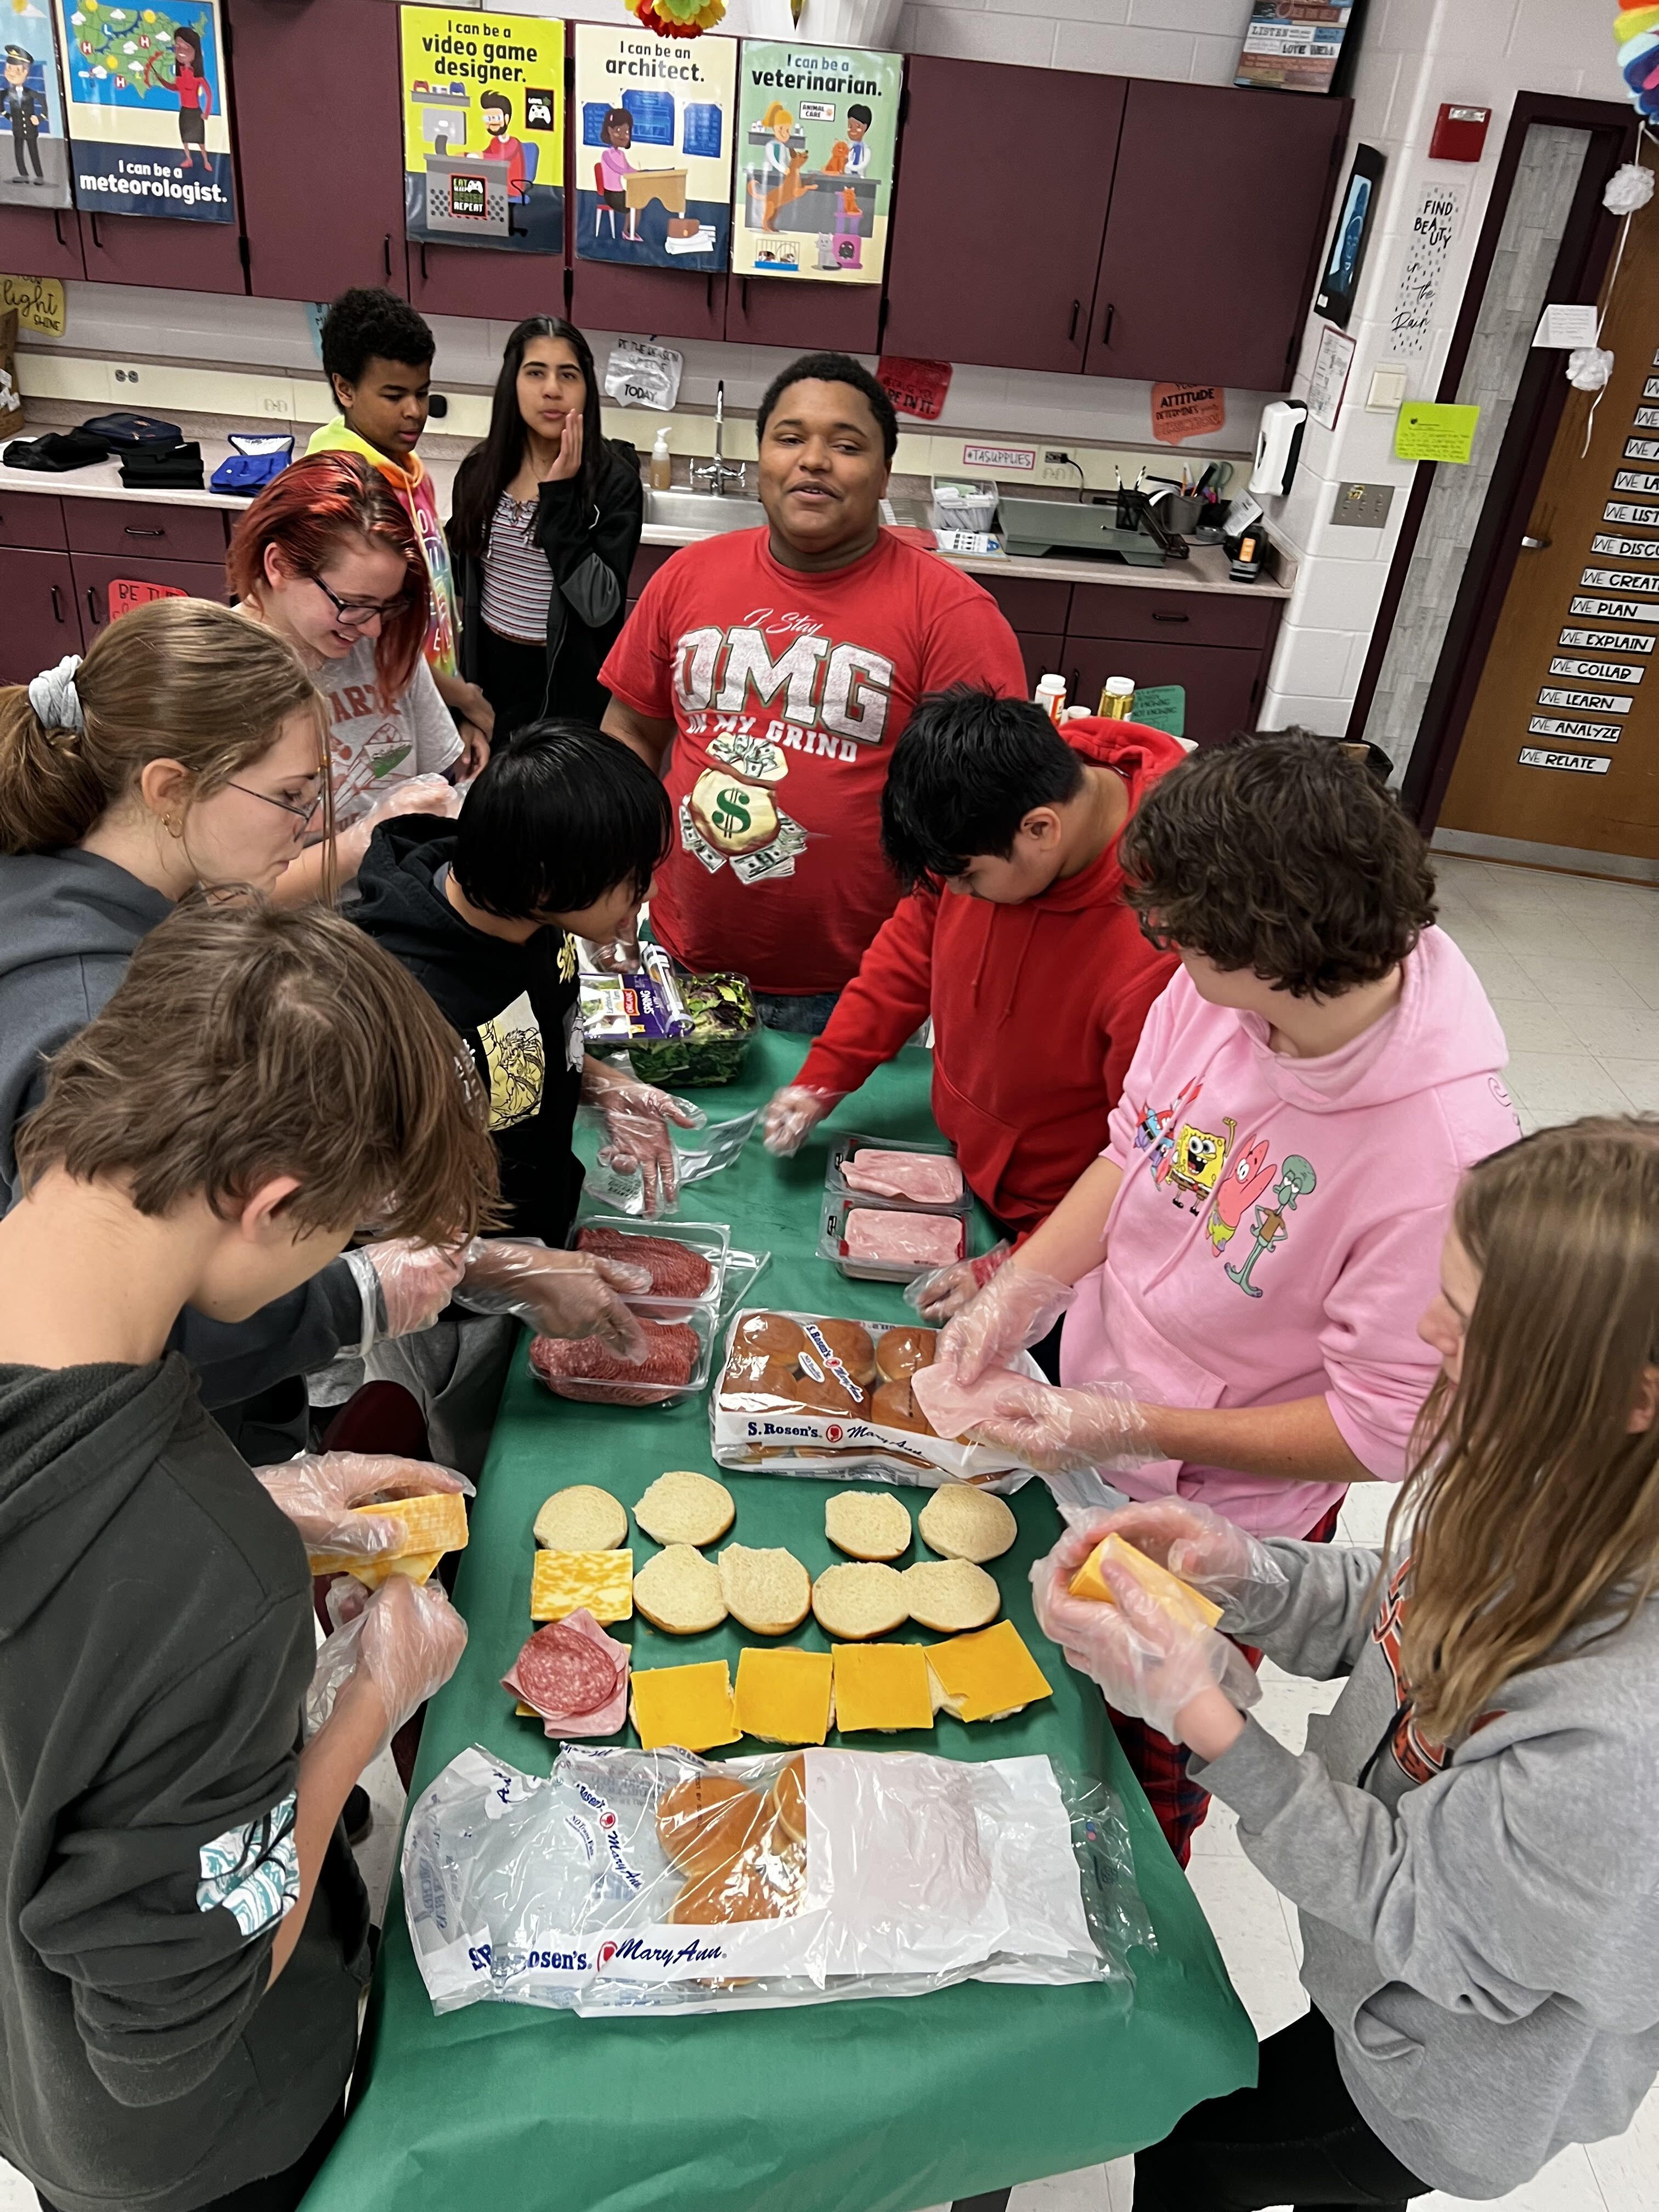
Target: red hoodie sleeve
(887,1001)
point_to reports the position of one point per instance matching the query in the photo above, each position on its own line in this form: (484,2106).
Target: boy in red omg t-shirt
(782,664)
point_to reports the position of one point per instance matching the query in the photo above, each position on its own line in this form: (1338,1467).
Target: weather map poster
(483,128)
(147,108)
(34,161)
(817,130)
(652,124)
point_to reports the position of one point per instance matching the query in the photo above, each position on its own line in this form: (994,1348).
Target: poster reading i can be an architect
(34,160)
(148,111)
(483,128)
(817,127)
(652,123)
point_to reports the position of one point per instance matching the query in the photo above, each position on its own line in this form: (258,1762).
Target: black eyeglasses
(307,814)
(356,613)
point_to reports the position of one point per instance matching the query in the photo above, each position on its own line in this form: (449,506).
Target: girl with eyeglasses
(326,558)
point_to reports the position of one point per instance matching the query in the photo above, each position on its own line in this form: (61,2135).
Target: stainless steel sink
(701,511)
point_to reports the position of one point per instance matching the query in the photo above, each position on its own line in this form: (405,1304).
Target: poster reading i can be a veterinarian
(483,128)
(652,124)
(817,129)
(148,118)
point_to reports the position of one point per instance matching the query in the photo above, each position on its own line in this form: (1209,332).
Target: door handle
(1171,617)
(92,608)
(423,261)
(96,239)
(130,531)
(385,253)
(58,225)
(57,604)
(1077,309)
(1533,544)
(1106,327)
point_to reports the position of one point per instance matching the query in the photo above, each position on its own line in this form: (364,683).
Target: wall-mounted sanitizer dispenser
(1278,447)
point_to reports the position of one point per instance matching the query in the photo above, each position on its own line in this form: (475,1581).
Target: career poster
(149,119)
(652,125)
(483,128)
(816,127)
(35,163)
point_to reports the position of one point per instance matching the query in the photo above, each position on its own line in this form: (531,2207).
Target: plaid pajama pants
(1160,1766)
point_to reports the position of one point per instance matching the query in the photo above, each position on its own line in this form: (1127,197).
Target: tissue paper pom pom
(1630,20)
(1627,189)
(1589,367)
(1638,64)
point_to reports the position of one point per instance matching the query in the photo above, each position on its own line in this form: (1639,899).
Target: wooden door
(1220,681)
(321,167)
(1000,212)
(40,241)
(42,621)
(1561,747)
(803,316)
(1219,204)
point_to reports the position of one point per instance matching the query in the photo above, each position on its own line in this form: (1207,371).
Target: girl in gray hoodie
(1472,1834)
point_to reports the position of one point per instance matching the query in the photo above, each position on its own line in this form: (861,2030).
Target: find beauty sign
(652,124)
(483,128)
(34,160)
(148,111)
(817,130)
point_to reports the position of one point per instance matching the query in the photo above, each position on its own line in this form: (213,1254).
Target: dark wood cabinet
(94,572)
(42,622)
(28,518)
(662,303)
(1218,207)
(321,169)
(803,316)
(1043,652)
(1005,179)
(471,280)
(1221,682)
(40,241)
(138,530)
(148,249)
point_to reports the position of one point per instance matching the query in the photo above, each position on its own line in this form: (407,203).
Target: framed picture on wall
(1340,282)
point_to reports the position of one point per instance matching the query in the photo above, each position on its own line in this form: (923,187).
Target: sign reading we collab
(149,121)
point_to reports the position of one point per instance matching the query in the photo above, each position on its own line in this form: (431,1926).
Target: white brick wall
(1192,40)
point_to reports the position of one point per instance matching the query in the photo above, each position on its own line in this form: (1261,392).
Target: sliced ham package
(890,1171)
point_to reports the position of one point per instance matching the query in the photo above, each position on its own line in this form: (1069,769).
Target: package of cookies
(822,1394)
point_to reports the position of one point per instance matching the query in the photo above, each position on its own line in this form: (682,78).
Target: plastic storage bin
(956,507)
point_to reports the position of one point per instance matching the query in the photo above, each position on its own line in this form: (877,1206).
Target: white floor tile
(1567,982)
(378,1854)
(1498,969)
(1632,1032)
(1535,1025)
(16,2194)
(1568,2183)
(1566,1083)
(1244,1910)
(1640,1081)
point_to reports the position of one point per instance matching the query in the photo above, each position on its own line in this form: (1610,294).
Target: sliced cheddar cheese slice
(987,1675)
(882,1686)
(1165,1589)
(783,1695)
(431,1525)
(559,1582)
(690,1706)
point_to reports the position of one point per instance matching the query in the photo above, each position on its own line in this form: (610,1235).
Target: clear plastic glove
(1100,1425)
(317,1491)
(405,1638)
(421,795)
(938,1297)
(569,1294)
(1015,1307)
(636,1116)
(1214,1555)
(416,1281)
(792,1114)
(1149,1663)
(613,956)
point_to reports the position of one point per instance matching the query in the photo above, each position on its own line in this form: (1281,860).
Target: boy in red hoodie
(1014,936)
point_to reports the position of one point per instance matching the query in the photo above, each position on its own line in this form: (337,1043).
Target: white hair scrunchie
(54,698)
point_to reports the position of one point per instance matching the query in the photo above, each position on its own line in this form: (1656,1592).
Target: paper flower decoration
(677,19)
(1636,30)
(1628,188)
(1589,367)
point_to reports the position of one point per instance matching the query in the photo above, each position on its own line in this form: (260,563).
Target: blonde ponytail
(180,679)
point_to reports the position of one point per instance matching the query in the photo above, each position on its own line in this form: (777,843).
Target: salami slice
(584,1368)
(575,1675)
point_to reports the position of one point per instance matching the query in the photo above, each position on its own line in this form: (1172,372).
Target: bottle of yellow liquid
(1117,698)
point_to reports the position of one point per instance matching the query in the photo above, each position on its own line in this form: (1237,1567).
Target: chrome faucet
(719,472)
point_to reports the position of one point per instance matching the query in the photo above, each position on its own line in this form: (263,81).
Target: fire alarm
(1459,134)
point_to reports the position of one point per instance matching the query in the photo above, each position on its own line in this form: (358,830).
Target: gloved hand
(938,1297)
(416,1281)
(403,1640)
(792,1115)
(636,1141)
(1214,1555)
(614,956)
(422,794)
(1017,1308)
(1100,1425)
(317,1491)
(1149,1663)
(569,1294)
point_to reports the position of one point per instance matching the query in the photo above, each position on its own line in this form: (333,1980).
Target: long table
(881,2105)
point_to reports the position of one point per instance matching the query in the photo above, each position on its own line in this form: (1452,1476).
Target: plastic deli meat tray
(885,1243)
(890,1171)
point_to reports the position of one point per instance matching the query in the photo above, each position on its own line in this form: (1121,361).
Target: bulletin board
(483,128)
(816,131)
(147,110)
(652,129)
(34,158)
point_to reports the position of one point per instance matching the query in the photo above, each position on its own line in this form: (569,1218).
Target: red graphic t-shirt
(789,693)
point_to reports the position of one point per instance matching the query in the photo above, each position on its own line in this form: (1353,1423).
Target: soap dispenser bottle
(662,462)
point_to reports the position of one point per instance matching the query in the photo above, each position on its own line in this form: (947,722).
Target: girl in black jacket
(546,523)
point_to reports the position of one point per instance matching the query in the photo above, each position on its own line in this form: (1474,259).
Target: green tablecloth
(878,2106)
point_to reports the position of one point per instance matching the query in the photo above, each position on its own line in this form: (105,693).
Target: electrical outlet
(125,377)
(1059,468)
(280,404)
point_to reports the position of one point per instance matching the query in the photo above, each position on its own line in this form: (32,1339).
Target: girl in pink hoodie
(1245,1263)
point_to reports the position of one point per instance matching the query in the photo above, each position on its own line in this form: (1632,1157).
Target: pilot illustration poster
(34,162)
(147,107)
(816,127)
(652,125)
(483,128)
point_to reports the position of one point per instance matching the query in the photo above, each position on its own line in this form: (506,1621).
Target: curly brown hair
(1279,854)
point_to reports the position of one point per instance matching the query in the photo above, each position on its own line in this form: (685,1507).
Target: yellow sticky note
(39,301)
(1434,431)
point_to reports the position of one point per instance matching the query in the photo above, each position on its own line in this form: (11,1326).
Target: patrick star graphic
(1239,1188)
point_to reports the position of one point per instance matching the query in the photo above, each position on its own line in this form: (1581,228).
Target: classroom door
(1561,748)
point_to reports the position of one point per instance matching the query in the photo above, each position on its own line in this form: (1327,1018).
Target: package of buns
(822,1394)
(629,1883)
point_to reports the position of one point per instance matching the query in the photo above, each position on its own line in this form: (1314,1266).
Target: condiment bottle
(1051,697)
(1117,698)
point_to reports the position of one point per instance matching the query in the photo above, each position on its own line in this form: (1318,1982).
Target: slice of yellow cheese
(987,1675)
(688,1705)
(602,1581)
(431,1525)
(783,1695)
(1166,1589)
(882,1686)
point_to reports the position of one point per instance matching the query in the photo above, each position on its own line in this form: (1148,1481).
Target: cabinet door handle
(96,239)
(57,604)
(423,261)
(1171,617)
(130,530)
(1074,686)
(92,607)
(1077,309)
(1106,327)
(58,225)
(385,252)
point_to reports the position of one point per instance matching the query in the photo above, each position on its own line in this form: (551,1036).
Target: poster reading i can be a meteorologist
(817,127)
(149,119)
(35,163)
(483,128)
(652,121)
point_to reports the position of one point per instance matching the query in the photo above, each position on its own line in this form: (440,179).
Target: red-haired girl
(327,556)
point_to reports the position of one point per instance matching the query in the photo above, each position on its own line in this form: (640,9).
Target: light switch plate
(1362,506)
(1388,392)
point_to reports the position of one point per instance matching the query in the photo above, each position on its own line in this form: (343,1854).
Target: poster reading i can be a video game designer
(817,127)
(483,128)
(652,123)
(149,118)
